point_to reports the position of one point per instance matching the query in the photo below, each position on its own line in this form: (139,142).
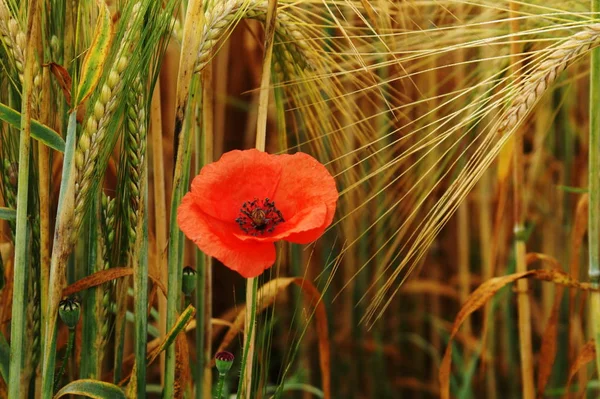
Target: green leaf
(91,389)
(574,190)
(93,63)
(39,131)
(8,214)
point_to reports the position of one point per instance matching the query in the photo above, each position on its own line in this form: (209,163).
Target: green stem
(175,257)
(220,386)
(594,190)
(65,358)
(17,345)
(252,286)
(141,290)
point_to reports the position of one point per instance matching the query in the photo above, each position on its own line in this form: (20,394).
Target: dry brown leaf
(548,347)
(484,293)
(587,354)
(266,296)
(104,276)
(182,368)
(63,79)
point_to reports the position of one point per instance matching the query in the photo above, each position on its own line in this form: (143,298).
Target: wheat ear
(15,41)
(135,144)
(561,56)
(220,17)
(103,305)
(96,125)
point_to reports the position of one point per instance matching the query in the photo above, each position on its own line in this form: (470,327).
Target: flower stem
(68,351)
(248,356)
(220,386)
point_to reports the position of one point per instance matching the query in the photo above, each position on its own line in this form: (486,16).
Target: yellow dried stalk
(222,15)
(97,122)
(546,73)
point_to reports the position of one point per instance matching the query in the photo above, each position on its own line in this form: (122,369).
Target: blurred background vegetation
(459,135)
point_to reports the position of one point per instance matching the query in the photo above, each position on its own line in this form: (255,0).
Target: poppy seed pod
(224,361)
(69,311)
(188,280)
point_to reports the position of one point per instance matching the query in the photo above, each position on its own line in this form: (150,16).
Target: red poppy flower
(241,204)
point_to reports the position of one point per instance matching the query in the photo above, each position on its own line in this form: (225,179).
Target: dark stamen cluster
(256,218)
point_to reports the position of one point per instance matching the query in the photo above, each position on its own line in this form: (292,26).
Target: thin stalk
(193,26)
(204,262)
(66,357)
(140,287)
(17,345)
(220,386)
(524,306)
(261,138)
(56,275)
(594,191)
(249,330)
(160,213)
(90,329)
(44,194)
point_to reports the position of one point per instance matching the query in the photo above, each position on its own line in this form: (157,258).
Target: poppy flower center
(258,217)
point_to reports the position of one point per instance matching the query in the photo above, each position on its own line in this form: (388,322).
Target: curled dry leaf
(586,355)
(548,347)
(266,296)
(484,293)
(104,276)
(63,79)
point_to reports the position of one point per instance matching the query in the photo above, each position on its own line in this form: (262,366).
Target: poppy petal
(304,183)
(214,237)
(222,187)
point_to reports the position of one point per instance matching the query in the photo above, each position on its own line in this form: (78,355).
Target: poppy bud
(224,361)
(188,281)
(68,310)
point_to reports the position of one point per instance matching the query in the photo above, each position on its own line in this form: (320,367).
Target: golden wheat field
(299,199)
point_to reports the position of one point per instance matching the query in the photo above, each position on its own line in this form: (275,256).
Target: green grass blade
(8,214)
(91,389)
(39,131)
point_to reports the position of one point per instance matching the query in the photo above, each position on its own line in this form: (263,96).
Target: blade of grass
(8,214)
(39,131)
(18,321)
